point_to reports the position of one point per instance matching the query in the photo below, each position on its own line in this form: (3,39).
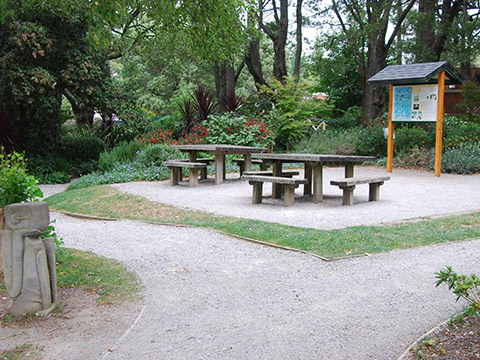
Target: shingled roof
(424,73)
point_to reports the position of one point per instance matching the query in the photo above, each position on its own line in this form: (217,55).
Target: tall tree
(299,37)
(365,24)
(277,31)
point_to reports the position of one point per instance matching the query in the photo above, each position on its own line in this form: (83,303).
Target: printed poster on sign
(416,103)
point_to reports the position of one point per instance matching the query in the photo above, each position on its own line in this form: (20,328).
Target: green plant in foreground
(19,353)
(15,184)
(465,287)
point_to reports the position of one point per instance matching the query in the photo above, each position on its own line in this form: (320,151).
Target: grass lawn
(106,201)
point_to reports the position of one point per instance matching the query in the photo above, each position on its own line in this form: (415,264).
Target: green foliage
(371,141)
(54,170)
(83,151)
(351,117)
(465,287)
(15,184)
(338,74)
(125,172)
(330,141)
(457,132)
(470,104)
(51,232)
(231,128)
(415,157)
(155,154)
(407,137)
(465,159)
(288,119)
(123,152)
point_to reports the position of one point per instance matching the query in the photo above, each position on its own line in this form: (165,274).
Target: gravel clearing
(409,194)
(210,296)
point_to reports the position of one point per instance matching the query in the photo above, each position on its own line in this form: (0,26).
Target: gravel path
(209,296)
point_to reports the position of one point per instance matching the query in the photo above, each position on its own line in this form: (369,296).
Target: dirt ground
(67,334)
(457,341)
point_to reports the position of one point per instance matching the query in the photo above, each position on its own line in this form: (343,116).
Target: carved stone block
(28,260)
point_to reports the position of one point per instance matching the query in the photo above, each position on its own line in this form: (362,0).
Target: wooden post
(390,131)
(439,132)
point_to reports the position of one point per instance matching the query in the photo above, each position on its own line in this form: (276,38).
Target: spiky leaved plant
(204,102)
(233,102)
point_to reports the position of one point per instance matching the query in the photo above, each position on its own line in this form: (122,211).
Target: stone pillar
(29,261)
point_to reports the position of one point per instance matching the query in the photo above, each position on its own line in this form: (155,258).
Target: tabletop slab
(317,158)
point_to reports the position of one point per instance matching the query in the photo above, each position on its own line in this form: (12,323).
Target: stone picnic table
(220,150)
(313,169)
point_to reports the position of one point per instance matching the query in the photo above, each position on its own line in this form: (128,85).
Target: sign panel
(415,103)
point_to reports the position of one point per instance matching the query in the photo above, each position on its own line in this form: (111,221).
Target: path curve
(210,296)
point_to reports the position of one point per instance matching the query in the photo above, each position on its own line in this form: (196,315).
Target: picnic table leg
(307,188)
(192,156)
(348,170)
(317,185)
(219,168)
(247,162)
(277,188)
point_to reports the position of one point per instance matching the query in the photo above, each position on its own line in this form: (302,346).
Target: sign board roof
(423,73)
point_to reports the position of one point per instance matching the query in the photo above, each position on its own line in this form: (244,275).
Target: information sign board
(415,103)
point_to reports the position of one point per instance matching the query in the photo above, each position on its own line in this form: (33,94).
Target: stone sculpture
(28,260)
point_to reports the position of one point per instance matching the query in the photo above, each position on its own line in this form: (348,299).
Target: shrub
(330,141)
(123,152)
(464,159)
(465,287)
(457,132)
(82,148)
(352,117)
(471,102)
(156,154)
(122,173)
(54,170)
(289,118)
(15,184)
(166,137)
(230,128)
(371,142)
(409,137)
(415,157)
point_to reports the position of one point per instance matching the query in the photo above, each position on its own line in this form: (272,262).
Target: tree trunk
(279,38)
(279,43)
(298,52)
(225,81)
(254,63)
(374,96)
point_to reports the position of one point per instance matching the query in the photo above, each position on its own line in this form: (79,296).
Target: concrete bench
(241,164)
(348,185)
(289,185)
(285,173)
(176,171)
(203,172)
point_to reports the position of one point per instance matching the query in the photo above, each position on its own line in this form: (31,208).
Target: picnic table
(220,150)
(313,169)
